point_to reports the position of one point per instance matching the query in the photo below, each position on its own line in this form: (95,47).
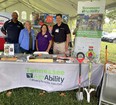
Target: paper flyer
(8,49)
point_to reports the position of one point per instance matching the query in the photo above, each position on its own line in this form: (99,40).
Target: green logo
(52,76)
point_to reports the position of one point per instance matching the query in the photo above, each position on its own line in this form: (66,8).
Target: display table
(46,76)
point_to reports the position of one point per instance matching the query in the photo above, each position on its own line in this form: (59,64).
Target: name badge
(45,36)
(57,30)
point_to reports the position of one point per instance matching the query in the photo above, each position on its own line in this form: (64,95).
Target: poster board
(46,18)
(4,16)
(89,27)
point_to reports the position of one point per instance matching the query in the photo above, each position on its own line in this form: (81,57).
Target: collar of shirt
(32,31)
(60,25)
(27,30)
(16,22)
(45,33)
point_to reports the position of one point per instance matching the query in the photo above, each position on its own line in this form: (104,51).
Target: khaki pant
(59,48)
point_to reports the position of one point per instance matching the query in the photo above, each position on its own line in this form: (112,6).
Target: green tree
(112,23)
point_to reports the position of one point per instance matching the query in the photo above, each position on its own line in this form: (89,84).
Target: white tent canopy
(46,6)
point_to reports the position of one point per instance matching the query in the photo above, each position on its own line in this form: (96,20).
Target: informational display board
(4,16)
(89,26)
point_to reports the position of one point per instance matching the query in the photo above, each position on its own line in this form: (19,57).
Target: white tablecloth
(46,76)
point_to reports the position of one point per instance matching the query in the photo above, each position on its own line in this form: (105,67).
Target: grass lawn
(111,48)
(29,96)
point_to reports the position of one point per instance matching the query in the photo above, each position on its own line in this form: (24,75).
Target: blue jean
(16,48)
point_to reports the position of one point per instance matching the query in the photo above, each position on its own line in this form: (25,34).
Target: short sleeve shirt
(60,32)
(43,41)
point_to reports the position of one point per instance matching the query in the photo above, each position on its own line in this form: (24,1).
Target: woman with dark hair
(43,39)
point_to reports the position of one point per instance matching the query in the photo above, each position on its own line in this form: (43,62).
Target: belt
(59,42)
